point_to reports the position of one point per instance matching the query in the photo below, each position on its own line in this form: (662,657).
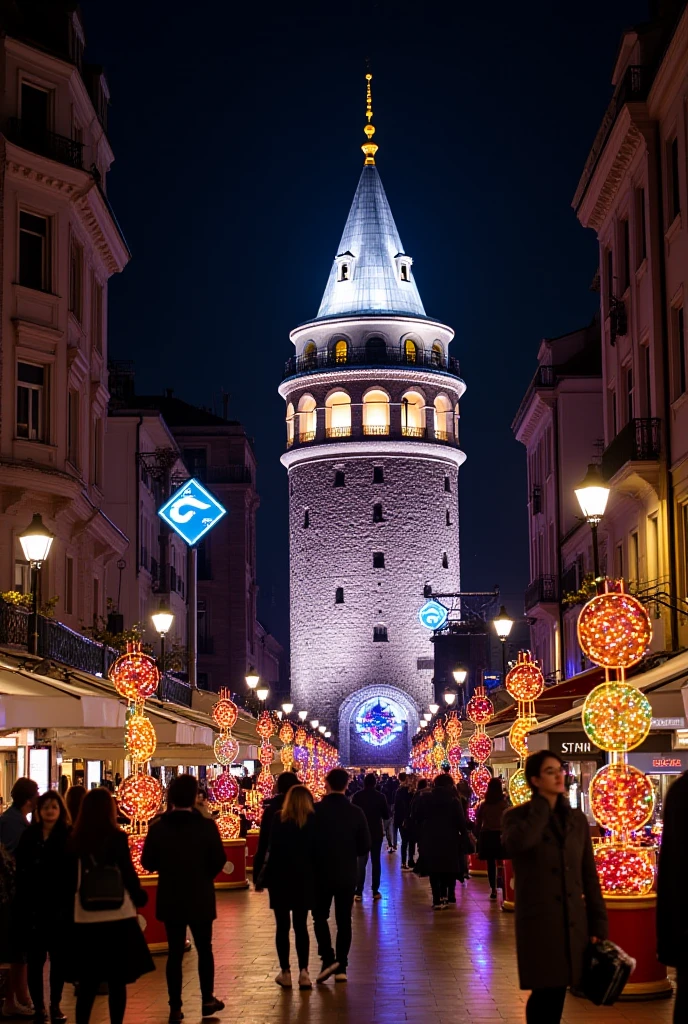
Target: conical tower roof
(371,242)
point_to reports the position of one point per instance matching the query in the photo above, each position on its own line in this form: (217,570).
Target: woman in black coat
(559,904)
(43,907)
(443,839)
(289,875)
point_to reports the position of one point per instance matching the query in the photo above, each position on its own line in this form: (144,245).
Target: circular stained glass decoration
(614,630)
(379,721)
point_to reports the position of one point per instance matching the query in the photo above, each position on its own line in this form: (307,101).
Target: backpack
(101,886)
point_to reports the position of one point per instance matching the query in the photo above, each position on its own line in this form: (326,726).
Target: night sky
(236,129)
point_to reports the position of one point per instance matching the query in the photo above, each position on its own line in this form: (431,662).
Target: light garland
(525,683)
(480,710)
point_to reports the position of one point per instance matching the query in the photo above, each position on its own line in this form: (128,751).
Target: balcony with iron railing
(414,432)
(39,140)
(638,441)
(542,590)
(334,434)
(338,432)
(362,356)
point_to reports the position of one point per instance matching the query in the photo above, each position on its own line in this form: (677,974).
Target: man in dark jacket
(14,822)
(672,897)
(341,837)
(186,851)
(376,810)
(272,807)
(402,810)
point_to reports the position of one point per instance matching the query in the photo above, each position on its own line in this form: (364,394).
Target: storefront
(662,767)
(582,759)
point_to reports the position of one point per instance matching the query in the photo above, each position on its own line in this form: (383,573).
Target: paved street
(408,964)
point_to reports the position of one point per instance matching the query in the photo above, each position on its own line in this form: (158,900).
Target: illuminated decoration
(225,713)
(266,754)
(480,780)
(378,721)
(614,631)
(253,806)
(438,733)
(621,797)
(226,749)
(139,738)
(519,790)
(265,784)
(617,716)
(192,511)
(228,825)
(433,615)
(135,674)
(480,746)
(453,727)
(286,733)
(518,734)
(480,710)
(525,681)
(265,726)
(224,789)
(454,757)
(140,797)
(300,737)
(438,754)
(136,849)
(287,756)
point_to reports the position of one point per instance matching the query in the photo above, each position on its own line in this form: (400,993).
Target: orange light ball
(519,790)
(454,728)
(621,797)
(286,733)
(525,681)
(438,754)
(438,733)
(266,754)
(287,755)
(518,734)
(135,674)
(225,713)
(265,725)
(140,797)
(624,870)
(265,784)
(614,630)
(480,746)
(300,738)
(229,826)
(139,738)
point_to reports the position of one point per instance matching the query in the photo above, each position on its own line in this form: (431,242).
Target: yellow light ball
(519,790)
(614,630)
(139,738)
(617,716)
(518,734)
(621,797)
(228,825)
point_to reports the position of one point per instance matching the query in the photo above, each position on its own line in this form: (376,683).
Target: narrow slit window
(377,512)
(306,519)
(378,559)
(404,272)
(339,595)
(378,475)
(445,561)
(447,485)
(448,518)
(339,479)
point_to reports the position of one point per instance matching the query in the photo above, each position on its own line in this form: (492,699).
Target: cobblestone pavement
(408,963)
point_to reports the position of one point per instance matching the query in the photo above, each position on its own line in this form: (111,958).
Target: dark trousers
(343,901)
(375,866)
(38,948)
(491,871)
(117,1000)
(681,1003)
(545,1006)
(443,886)
(283,921)
(202,932)
(408,845)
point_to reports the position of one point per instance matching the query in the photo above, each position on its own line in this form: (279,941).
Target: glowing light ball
(225,713)
(265,784)
(614,630)
(225,788)
(265,726)
(480,780)
(479,709)
(287,755)
(300,738)
(616,716)
(454,728)
(519,790)
(135,674)
(621,797)
(454,755)
(525,681)
(518,734)
(229,826)
(226,749)
(480,746)
(140,797)
(624,870)
(139,738)
(136,849)
(286,733)
(266,754)
(438,754)
(438,733)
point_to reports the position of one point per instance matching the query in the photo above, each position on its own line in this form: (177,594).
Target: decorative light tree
(525,682)
(224,791)
(480,710)
(265,727)
(453,729)
(439,753)
(286,735)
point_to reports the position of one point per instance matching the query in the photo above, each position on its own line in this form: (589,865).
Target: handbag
(100,886)
(606,971)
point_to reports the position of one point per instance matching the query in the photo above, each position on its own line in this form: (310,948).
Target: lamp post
(322,728)
(162,620)
(449,697)
(262,693)
(314,723)
(433,708)
(303,715)
(287,708)
(36,541)
(502,625)
(593,495)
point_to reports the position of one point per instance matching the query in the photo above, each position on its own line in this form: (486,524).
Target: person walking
(44,904)
(288,875)
(108,946)
(341,837)
(285,781)
(73,800)
(402,809)
(672,898)
(488,830)
(13,824)
(443,839)
(559,904)
(376,810)
(185,850)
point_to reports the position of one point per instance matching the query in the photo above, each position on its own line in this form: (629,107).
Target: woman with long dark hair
(289,876)
(109,945)
(74,798)
(42,906)
(488,830)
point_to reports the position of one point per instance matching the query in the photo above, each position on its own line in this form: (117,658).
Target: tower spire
(369,147)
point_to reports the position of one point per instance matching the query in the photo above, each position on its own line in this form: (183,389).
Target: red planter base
(632,927)
(509,890)
(251,847)
(478,868)
(153,930)
(233,874)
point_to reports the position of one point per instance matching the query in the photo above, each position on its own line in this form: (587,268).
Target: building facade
(634,194)
(373,455)
(60,243)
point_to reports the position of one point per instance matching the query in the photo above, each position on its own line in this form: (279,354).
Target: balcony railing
(226,475)
(542,590)
(442,435)
(414,431)
(381,431)
(366,357)
(406,433)
(338,432)
(308,435)
(638,441)
(545,377)
(45,143)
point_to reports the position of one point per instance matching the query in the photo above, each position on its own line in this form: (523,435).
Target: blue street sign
(433,615)
(192,511)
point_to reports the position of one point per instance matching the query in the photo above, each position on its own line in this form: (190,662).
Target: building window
(413,414)
(674,180)
(680,351)
(448,515)
(310,355)
(410,351)
(73,427)
(629,393)
(35,111)
(97,452)
(615,421)
(648,379)
(378,475)
(290,424)
(31,404)
(34,251)
(338,415)
(306,519)
(380,634)
(339,595)
(377,512)
(443,418)
(375,413)
(69,585)
(341,351)
(653,547)
(97,314)
(307,418)
(641,232)
(634,559)
(445,561)
(76,259)
(436,355)
(447,485)
(22,577)
(405,272)
(626,244)
(344,271)
(378,559)
(339,480)
(196,461)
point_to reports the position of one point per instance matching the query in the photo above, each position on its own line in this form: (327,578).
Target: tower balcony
(362,356)
(372,431)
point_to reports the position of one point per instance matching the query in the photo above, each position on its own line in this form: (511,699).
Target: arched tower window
(375,412)
(457,416)
(307,418)
(338,414)
(405,275)
(341,351)
(310,355)
(443,414)
(436,355)
(410,351)
(376,350)
(413,414)
(290,424)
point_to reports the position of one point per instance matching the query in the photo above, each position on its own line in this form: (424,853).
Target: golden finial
(369,148)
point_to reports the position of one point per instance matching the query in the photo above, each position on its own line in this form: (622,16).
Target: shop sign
(572,745)
(670,762)
(681,739)
(669,723)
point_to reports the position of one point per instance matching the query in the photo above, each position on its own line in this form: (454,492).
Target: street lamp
(460,675)
(303,715)
(287,708)
(423,724)
(322,728)
(434,708)
(427,716)
(314,723)
(502,625)
(449,697)
(36,541)
(252,678)
(162,620)
(262,693)
(593,495)
(327,734)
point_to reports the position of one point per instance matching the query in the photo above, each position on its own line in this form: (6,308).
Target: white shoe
(305,979)
(328,971)
(284,979)
(12,1009)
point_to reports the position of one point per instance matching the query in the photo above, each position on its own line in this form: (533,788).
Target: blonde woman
(289,877)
